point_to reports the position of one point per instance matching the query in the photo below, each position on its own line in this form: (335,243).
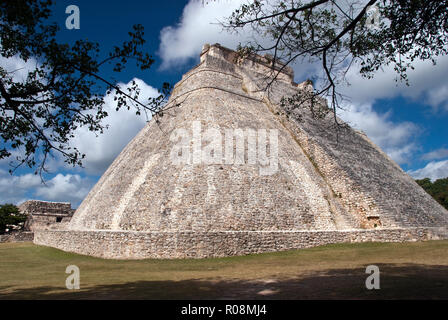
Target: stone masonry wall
(21,236)
(45,214)
(168,245)
(45,207)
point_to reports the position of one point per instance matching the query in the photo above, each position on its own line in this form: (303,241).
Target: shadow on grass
(409,281)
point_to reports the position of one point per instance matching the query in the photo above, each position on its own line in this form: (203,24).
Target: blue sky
(409,123)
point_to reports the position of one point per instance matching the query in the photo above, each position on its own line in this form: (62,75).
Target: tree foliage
(11,217)
(437,189)
(342,34)
(65,90)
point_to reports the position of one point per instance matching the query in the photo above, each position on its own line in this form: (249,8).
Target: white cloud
(198,25)
(65,188)
(436,154)
(17,67)
(428,84)
(438,96)
(433,170)
(123,126)
(13,189)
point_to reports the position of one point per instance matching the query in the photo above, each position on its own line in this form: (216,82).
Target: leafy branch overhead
(64,91)
(340,35)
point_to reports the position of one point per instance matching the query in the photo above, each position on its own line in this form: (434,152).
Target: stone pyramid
(230,170)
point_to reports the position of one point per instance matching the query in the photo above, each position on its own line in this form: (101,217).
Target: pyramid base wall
(169,245)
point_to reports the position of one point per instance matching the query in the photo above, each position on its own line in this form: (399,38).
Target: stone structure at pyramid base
(171,245)
(230,170)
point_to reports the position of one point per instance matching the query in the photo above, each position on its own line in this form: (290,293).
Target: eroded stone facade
(46,215)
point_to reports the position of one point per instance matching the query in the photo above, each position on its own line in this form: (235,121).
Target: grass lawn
(408,271)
